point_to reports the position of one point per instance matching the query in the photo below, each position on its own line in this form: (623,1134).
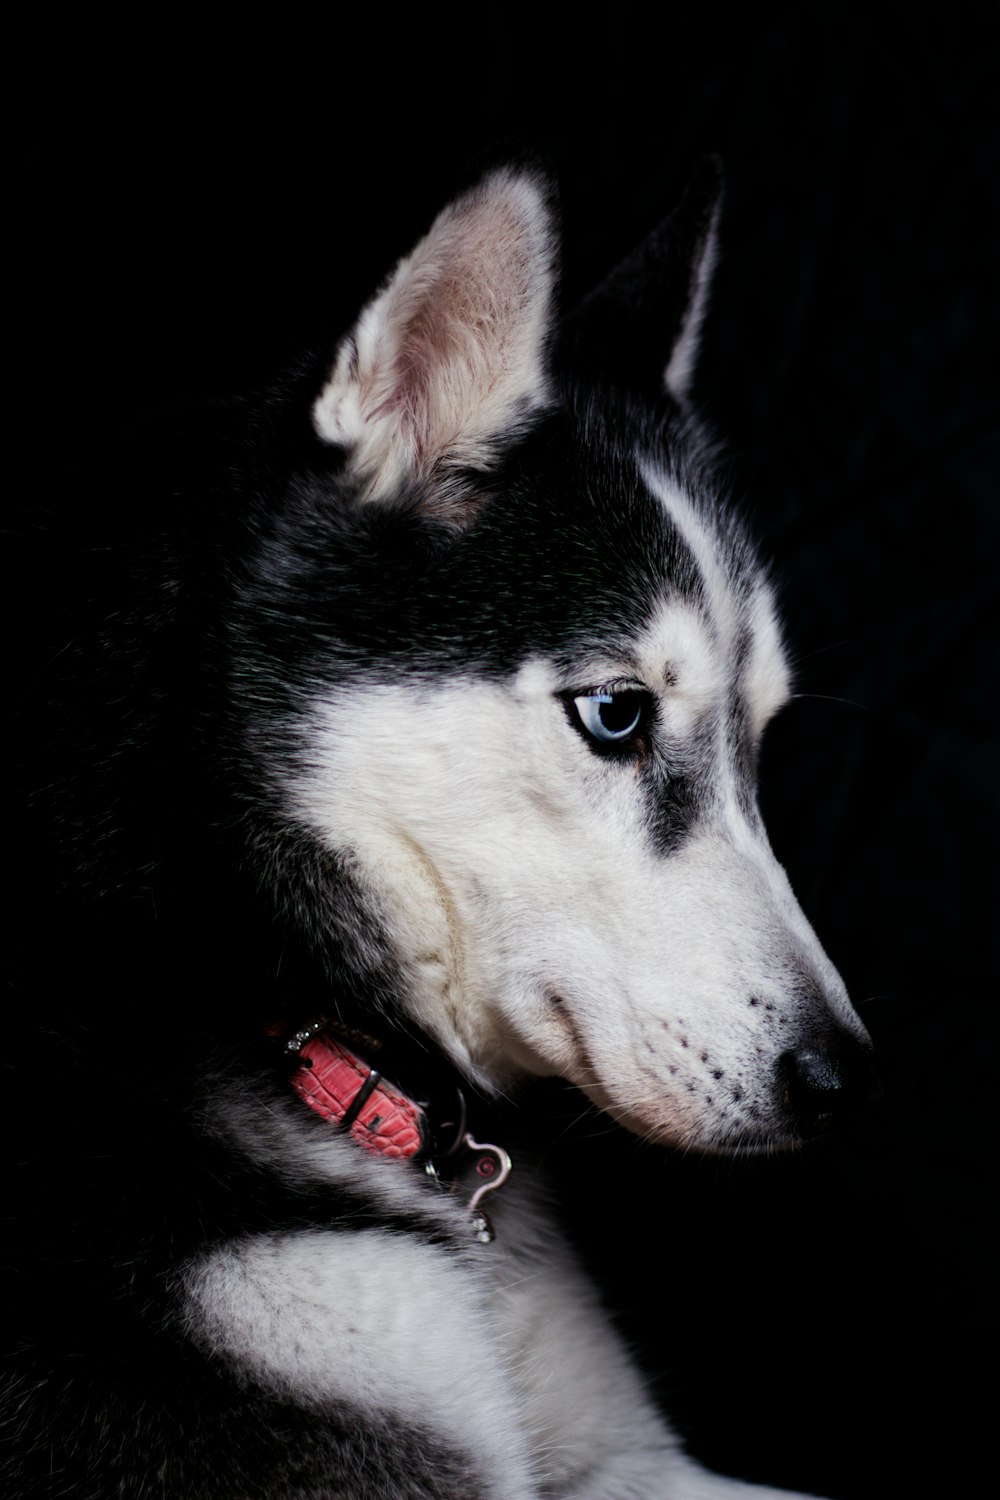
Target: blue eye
(610,717)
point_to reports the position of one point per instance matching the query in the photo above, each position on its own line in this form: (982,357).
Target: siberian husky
(421,762)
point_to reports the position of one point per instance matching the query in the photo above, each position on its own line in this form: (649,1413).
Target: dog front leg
(377,1330)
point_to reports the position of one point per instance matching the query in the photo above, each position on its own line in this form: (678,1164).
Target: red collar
(348,1092)
(339,1087)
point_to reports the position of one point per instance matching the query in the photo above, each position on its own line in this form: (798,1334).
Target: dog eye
(610,717)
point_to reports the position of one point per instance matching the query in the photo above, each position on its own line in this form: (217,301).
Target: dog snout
(827,1083)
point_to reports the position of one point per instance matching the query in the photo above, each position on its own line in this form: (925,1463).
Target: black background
(199,207)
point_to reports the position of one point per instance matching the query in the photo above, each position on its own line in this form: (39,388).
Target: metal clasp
(493,1168)
(492,1164)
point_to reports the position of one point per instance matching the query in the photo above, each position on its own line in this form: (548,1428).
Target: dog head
(526,660)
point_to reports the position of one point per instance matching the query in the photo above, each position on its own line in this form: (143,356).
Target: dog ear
(449,360)
(639,330)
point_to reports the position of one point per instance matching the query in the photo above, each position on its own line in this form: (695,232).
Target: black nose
(826,1084)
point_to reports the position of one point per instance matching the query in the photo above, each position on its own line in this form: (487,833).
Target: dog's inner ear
(449,361)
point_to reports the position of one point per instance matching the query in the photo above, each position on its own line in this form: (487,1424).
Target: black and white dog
(416,757)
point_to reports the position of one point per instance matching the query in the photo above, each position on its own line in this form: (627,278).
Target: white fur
(679,660)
